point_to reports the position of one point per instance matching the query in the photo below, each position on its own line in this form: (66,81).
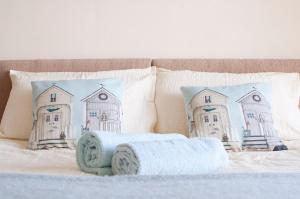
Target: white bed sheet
(14,157)
(267,161)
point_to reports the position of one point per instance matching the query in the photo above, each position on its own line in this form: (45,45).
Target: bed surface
(15,158)
(52,174)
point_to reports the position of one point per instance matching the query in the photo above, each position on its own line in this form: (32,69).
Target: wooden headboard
(90,65)
(230,65)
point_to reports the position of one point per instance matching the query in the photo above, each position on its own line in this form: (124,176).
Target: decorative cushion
(170,103)
(63,110)
(138,99)
(237,115)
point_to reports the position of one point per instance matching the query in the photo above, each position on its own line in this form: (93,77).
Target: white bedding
(14,157)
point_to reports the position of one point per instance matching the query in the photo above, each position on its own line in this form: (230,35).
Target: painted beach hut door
(52,127)
(98,120)
(212,124)
(252,122)
(210,114)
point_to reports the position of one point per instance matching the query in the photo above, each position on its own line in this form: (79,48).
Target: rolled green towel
(94,150)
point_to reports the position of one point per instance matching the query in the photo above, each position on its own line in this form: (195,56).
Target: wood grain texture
(73,65)
(230,65)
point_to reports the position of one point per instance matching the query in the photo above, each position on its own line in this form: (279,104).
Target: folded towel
(94,150)
(170,157)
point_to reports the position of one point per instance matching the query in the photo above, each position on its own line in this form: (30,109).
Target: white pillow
(139,114)
(170,104)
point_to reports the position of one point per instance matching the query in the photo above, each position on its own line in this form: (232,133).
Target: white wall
(31,29)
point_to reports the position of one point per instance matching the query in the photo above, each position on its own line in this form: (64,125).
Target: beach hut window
(250,115)
(215,118)
(53,97)
(93,114)
(48,118)
(206,119)
(103,96)
(256,98)
(207,99)
(56,118)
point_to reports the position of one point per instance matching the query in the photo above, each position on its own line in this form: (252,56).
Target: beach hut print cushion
(63,110)
(240,116)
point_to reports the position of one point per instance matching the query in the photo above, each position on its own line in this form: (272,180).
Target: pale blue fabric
(209,186)
(239,115)
(79,88)
(94,150)
(170,157)
(233,93)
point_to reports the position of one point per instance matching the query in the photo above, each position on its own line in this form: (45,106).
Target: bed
(34,174)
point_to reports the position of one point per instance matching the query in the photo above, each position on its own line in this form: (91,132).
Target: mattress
(16,158)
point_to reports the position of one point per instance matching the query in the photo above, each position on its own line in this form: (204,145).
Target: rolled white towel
(95,149)
(170,157)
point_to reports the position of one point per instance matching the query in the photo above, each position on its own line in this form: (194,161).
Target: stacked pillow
(170,101)
(240,116)
(152,101)
(138,99)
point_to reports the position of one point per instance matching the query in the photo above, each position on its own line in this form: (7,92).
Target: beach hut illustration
(210,115)
(103,111)
(259,131)
(52,124)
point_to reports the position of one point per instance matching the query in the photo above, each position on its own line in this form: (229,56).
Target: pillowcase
(237,115)
(170,104)
(62,110)
(138,99)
